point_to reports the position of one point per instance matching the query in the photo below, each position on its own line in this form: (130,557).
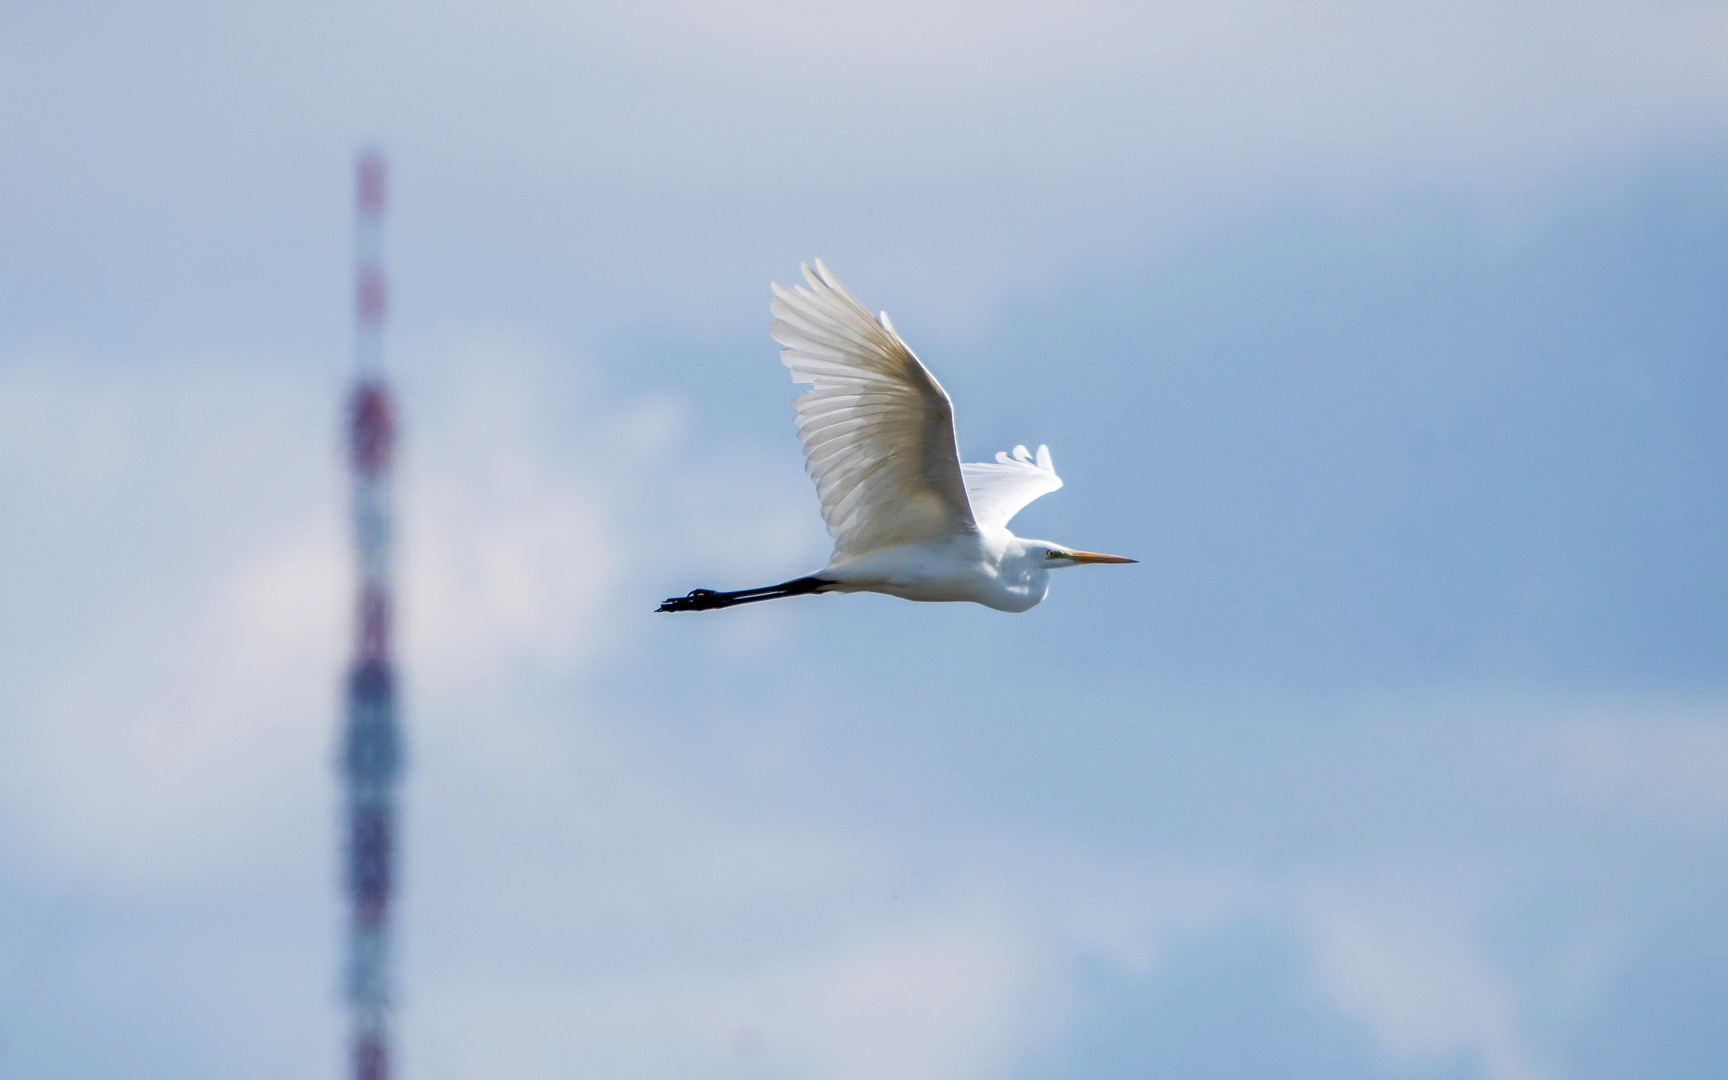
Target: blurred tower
(371,745)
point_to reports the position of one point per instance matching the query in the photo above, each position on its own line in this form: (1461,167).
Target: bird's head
(1055,556)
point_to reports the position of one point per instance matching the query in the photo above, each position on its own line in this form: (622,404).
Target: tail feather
(708,599)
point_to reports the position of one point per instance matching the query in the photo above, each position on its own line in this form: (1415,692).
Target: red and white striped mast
(372,743)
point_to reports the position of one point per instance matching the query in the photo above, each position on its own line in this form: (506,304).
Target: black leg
(708,599)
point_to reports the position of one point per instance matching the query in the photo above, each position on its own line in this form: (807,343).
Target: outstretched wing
(877,429)
(1001,490)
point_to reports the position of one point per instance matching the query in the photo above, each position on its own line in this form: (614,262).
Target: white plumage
(1002,489)
(877,428)
(908,519)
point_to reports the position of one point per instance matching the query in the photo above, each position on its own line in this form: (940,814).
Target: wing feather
(1001,489)
(877,428)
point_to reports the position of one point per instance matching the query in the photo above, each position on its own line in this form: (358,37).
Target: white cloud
(169,718)
(149,719)
(1405,958)
(657,161)
(940,1000)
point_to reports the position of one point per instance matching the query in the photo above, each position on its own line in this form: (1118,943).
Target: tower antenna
(371,760)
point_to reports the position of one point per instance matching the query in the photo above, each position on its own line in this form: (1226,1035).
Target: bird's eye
(1055,554)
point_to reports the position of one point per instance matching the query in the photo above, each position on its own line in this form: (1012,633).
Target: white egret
(908,519)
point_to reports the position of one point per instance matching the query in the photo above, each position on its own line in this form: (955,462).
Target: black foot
(697,600)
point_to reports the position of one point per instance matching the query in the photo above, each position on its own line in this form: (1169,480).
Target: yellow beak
(1094,557)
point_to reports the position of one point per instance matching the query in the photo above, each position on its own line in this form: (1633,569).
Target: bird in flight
(908,519)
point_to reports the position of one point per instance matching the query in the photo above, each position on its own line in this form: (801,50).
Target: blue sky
(1391,341)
